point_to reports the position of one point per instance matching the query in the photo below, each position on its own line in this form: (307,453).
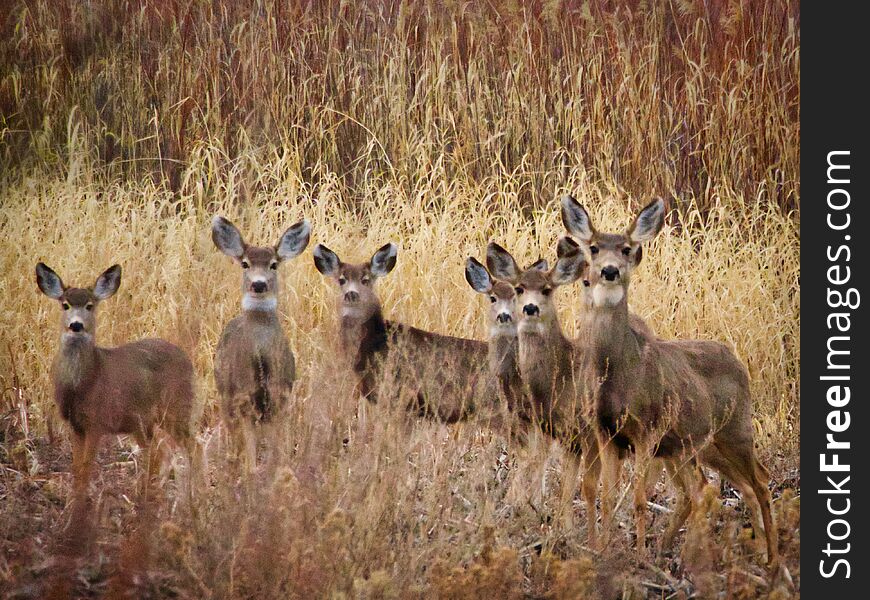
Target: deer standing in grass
(444,377)
(254,365)
(683,400)
(548,363)
(503,343)
(133,389)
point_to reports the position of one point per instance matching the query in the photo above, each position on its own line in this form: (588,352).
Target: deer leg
(689,480)
(611,467)
(570,472)
(751,478)
(591,475)
(84,449)
(643,456)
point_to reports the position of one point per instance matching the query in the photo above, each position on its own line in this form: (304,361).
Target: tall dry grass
(681,97)
(125,127)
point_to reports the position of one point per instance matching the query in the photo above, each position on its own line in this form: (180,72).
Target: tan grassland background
(125,125)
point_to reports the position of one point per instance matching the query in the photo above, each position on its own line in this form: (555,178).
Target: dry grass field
(125,125)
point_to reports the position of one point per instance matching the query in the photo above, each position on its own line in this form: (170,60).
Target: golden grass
(124,130)
(399,497)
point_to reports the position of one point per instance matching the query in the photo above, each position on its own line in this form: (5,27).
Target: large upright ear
(648,222)
(294,240)
(539,265)
(576,219)
(384,260)
(49,282)
(326,260)
(570,265)
(108,283)
(227,238)
(501,264)
(477,276)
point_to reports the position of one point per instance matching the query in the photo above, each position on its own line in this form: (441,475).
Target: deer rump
(434,376)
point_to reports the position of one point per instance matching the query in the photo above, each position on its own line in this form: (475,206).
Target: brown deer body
(441,377)
(254,365)
(680,400)
(132,389)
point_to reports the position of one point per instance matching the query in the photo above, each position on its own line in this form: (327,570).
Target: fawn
(503,344)
(684,401)
(548,363)
(131,389)
(444,376)
(254,365)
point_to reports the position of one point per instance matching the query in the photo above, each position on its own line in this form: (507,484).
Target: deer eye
(519,290)
(89,306)
(245,264)
(342,281)
(492,299)
(366,280)
(626,251)
(65,305)
(585,283)
(593,249)
(273,265)
(547,291)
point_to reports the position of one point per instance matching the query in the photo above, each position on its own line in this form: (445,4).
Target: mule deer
(679,400)
(131,389)
(254,365)
(503,344)
(548,363)
(444,376)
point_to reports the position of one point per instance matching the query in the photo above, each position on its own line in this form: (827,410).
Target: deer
(685,401)
(444,377)
(254,366)
(136,389)
(502,344)
(546,359)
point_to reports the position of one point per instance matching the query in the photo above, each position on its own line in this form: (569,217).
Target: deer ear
(567,247)
(568,269)
(501,264)
(477,276)
(108,283)
(539,265)
(648,222)
(326,260)
(294,240)
(384,260)
(49,282)
(576,219)
(227,238)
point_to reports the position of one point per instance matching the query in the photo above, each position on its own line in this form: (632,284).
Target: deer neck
(544,355)
(611,344)
(361,339)
(76,362)
(504,356)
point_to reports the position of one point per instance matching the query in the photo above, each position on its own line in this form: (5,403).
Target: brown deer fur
(131,389)
(680,400)
(440,376)
(254,365)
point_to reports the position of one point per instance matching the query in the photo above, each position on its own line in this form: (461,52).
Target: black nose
(351,296)
(76,326)
(531,310)
(259,287)
(503,318)
(610,273)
